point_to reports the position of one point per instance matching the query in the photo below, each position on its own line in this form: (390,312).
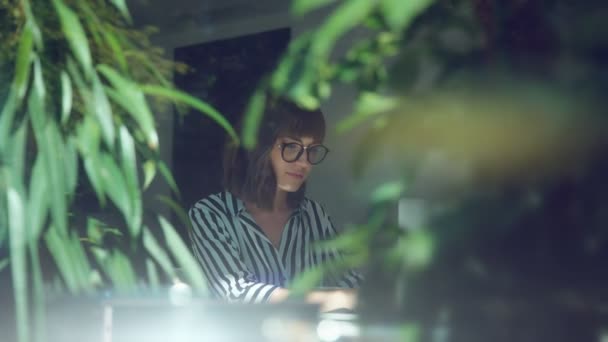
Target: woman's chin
(290,187)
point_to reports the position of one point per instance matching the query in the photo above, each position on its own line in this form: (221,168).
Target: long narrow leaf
(38,300)
(24,59)
(66,97)
(70,158)
(103,112)
(38,199)
(129,96)
(56,177)
(122,273)
(253,117)
(75,35)
(149,172)
(168,176)
(177,209)
(157,252)
(129,168)
(152,271)
(181,97)
(301,7)
(19,271)
(113,182)
(113,43)
(184,258)
(50,144)
(17,155)
(19,85)
(58,249)
(121,5)
(347,16)
(92,168)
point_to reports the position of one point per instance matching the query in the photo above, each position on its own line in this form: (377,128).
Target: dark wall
(224,73)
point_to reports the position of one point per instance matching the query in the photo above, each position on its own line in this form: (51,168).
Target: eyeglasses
(290,152)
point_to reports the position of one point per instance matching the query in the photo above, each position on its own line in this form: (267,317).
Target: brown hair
(248,174)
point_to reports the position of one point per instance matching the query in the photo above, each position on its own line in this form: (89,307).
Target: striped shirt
(240,262)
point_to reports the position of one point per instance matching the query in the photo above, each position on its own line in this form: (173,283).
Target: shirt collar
(237,206)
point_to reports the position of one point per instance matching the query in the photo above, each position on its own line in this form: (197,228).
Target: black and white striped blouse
(240,262)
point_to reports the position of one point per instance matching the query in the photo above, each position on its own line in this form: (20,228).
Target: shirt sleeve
(218,255)
(338,277)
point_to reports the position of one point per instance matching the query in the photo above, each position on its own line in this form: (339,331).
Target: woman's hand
(334,299)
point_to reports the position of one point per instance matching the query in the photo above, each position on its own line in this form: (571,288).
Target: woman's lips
(296,175)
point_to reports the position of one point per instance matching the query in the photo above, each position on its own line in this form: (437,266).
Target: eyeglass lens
(315,154)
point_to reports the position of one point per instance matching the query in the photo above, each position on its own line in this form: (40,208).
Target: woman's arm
(327,300)
(219,257)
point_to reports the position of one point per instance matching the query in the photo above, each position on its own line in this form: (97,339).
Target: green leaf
(38,297)
(182,97)
(91,166)
(88,137)
(70,159)
(152,271)
(129,168)
(149,172)
(182,255)
(51,146)
(399,14)
(253,117)
(56,176)
(121,5)
(301,7)
(24,60)
(19,85)
(346,17)
(17,155)
(66,97)
(120,270)
(75,35)
(19,270)
(177,209)
(58,246)
(116,49)
(129,96)
(368,105)
(416,249)
(103,112)
(306,281)
(114,184)
(157,252)
(388,191)
(38,199)
(168,176)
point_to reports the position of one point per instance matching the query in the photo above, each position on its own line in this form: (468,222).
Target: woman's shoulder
(313,206)
(221,203)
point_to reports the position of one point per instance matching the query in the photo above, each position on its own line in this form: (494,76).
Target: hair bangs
(304,124)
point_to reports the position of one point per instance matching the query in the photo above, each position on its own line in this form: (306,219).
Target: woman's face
(290,176)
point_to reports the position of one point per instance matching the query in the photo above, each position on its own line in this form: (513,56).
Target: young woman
(256,236)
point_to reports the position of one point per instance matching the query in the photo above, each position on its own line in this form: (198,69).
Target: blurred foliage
(78,91)
(495,111)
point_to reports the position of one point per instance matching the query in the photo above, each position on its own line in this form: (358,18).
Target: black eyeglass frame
(302,149)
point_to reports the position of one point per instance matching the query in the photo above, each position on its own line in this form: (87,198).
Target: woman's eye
(292,147)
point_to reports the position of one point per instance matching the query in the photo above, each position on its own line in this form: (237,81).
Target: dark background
(224,74)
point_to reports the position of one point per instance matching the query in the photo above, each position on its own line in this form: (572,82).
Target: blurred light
(180,293)
(330,330)
(603,335)
(412,213)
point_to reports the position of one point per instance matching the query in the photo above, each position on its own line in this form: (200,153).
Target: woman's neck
(279,204)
